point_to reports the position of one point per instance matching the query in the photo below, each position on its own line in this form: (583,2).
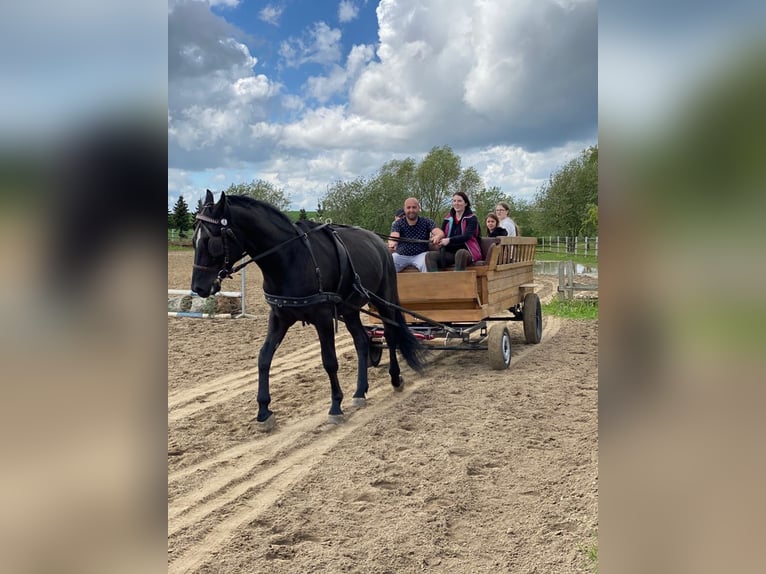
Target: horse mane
(273,214)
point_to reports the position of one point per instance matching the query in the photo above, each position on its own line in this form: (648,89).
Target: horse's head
(215,246)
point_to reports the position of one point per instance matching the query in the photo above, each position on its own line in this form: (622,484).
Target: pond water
(552,268)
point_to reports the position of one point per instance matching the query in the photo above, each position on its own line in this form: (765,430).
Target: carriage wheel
(499,346)
(374,355)
(533,318)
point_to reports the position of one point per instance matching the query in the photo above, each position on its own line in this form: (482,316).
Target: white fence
(568,245)
(174,237)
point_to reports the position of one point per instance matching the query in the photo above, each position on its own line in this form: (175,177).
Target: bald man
(413,227)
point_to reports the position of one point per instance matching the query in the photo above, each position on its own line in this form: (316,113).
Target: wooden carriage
(457,305)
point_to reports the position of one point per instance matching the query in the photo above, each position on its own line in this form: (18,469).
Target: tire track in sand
(188,402)
(249,478)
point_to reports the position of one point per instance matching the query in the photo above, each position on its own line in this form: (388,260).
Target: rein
(401,239)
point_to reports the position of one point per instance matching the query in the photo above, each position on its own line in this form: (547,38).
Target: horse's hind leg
(391,336)
(326,332)
(362,345)
(277,329)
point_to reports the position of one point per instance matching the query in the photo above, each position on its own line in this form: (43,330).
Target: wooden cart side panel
(511,279)
(442,286)
(503,287)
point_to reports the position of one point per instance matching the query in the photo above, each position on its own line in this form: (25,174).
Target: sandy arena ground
(468,470)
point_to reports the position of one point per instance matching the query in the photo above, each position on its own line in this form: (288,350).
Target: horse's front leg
(326,332)
(278,326)
(362,345)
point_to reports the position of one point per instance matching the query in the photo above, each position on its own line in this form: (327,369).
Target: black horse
(314,273)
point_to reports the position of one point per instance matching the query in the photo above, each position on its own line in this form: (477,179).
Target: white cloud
(227,3)
(337,80)
(203,127)
(332,127)
(510,86)
(292,102)
(214,93)
(347,11)
(525,73)
(517,171)
(322,88)
(271,14)
(253,88)
(319,45)
(180,182)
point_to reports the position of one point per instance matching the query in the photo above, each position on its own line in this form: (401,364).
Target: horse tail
(412,350)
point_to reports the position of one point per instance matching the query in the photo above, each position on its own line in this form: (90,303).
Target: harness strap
(317,270)
(316,298)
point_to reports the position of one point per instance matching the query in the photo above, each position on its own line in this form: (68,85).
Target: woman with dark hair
(460,244)
(494,229)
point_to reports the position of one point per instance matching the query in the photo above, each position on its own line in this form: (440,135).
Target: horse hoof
(267,425)
(400,387)
(334,419)
(358,402)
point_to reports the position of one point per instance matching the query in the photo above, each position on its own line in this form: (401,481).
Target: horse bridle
(226,232)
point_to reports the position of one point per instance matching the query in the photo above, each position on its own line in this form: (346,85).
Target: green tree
(395,182)
(522,213)
(371,203)
(590,224)
(563,203)
(437,177)
(181,216)
(262,190)
(484,201)
(346,202)
(302,215)
(386,192)
(470,183)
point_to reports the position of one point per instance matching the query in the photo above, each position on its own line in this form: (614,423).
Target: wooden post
(570,265)
(562,282)
(586,246)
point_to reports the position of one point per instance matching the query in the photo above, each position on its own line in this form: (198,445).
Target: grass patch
(172,247)
(572,308)
(590,552)
(590,260)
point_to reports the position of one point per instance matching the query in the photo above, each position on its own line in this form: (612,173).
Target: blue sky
(303,93)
